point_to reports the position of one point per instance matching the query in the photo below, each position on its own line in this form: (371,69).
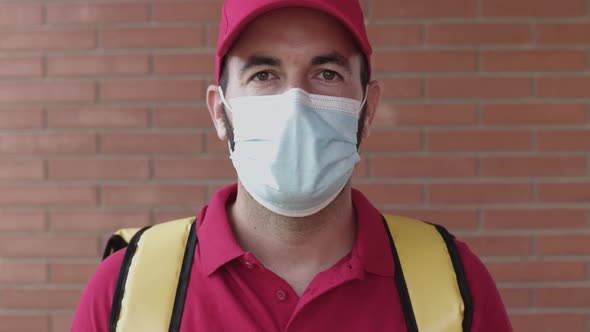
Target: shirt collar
(371,250)
(217,244)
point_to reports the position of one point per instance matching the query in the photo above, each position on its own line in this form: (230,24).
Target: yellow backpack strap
(154,274)
(119,240)
(429,276)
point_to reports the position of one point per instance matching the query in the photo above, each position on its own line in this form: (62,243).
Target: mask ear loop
(364,99)
(225,103)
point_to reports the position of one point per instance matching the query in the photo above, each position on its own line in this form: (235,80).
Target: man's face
(294,48)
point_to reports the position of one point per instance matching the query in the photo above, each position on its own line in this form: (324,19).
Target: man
(291,247)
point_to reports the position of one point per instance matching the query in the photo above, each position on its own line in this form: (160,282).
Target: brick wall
(484,127)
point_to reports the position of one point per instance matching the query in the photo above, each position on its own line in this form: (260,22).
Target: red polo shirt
(230,290)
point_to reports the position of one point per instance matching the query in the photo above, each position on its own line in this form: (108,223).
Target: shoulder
(489,313)
(92,313)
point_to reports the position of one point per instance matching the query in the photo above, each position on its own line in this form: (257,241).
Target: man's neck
(296,249)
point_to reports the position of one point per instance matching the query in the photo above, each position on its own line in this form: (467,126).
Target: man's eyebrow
(334,58)
(260,60)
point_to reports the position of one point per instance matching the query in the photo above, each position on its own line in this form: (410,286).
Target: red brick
(71,273)
(543,271)
(202,168)
(61,321)
(392,140)
(571,139)
(184,64)
(425,61)
(425,115)
(174,195)
(39,92)
(168,215)
(151,90)
(47,143)
(534,60)
(571,33)
(533,219)
(20,66)
(422,9)
(22,272)
(450,218)
(479,193)
(97,221)
(18,169)
(499,245)
(532,8)
(534,166)
(478,140)
(166,143)
(215,145)
(563,297)
(407,87)
(84,65)
(479,87)
(548,322)
(179,11)
(563,245)
(564,192)
(36,40)
(24,323)
(533,114)
(212,35)
(182,117)
(21,118)
(98,117)
(169,37)
(395,34)
(46,195)
(76,13)
(22,221)
(103,169)
(58,246)
(478,33)
(388,193)
(429,166)
(39,299)
(563,87)
(216,186)
(361,169)
(516,297)
(12,14)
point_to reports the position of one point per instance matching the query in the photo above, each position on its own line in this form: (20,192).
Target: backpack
(420,250)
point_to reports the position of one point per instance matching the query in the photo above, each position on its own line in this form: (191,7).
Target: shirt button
(281,295)
(249,265)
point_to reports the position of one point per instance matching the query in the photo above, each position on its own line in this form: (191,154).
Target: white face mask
(294,152)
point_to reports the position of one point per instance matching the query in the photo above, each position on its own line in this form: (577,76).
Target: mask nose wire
(226,104)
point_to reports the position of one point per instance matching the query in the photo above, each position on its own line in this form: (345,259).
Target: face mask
(294,152)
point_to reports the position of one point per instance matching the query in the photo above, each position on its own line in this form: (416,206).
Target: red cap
(237,14)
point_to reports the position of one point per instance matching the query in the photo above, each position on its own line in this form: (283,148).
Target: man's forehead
(285,32)
(239,15)
(259,59)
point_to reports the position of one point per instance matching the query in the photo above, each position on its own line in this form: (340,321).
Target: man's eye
(329,75)
(262,76)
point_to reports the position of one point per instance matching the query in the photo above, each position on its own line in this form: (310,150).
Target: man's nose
(298,81)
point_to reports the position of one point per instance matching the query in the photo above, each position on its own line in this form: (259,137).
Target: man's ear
(373,99)
(215,107)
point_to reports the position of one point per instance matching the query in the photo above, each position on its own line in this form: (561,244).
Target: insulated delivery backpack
(420,250)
